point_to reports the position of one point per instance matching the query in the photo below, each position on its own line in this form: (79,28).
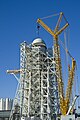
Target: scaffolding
(37,92)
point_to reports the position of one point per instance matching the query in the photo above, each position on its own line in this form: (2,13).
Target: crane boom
(70,83)
(61,30)
(45,27)
(14,71)
(49,30)
(64,101)
(59,73)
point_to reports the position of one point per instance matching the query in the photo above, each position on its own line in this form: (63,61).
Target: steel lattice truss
(37,92)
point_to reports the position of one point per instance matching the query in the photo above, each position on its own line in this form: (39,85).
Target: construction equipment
(64,100)
(72,105)
(13,71)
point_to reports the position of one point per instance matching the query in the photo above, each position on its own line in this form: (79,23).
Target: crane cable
(65,44)
(66,50)
(50,16)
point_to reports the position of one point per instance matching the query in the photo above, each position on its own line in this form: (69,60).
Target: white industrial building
(5,104)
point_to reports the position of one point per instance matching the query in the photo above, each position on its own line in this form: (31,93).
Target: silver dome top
(38,42)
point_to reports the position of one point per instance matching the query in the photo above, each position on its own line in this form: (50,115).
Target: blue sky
(18,24)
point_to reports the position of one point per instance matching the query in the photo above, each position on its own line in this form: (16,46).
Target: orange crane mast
(64,101)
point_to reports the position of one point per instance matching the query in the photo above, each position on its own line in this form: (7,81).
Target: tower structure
(37,92)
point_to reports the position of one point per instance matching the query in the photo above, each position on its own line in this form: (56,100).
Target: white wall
(5,104)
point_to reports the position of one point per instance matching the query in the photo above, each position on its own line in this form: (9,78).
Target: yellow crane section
(70,83)
(65,104)
(56,32)
(14,71)
(64,101)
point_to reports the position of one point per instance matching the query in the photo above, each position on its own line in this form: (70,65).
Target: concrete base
(68,117)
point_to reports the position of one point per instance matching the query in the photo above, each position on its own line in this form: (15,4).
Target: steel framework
(37,92)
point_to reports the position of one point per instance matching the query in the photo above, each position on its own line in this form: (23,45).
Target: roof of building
(38,41)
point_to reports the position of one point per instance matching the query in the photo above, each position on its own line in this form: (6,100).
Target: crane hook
(38,27)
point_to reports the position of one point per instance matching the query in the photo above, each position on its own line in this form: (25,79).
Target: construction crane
(72,105)
(64,100)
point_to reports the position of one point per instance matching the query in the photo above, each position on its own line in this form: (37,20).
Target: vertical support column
(24,81)
(29,97)
(48,94)
(41,97)
(22,75)
(55,93)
